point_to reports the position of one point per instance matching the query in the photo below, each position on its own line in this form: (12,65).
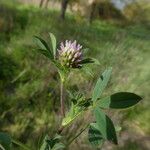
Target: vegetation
(29,93)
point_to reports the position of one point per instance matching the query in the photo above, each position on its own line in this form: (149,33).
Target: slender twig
(20,144)
(62,98)
(78,134)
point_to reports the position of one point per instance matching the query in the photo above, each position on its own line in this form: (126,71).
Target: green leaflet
(119,100)
(94,135)
(53,41)
(105,126)
(101,84)
(52,144)
(43,47)
(45,145)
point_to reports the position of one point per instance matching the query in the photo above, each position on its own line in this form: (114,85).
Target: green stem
(20,144)
(78,134)
(62,103)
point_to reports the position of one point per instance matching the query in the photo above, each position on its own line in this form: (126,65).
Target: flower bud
(70,54)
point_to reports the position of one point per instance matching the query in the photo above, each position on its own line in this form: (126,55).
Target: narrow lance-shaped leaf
(90,60)
(43,46)
(94,135)
(119,100)
(41,43)
(53,41)
(101,84)
(45,53)
(87,60)
(105,125)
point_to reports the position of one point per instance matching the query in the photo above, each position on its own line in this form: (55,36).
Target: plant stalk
(78,134)
(62,103)
(20,144)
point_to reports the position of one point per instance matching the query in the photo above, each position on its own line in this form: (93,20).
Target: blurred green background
(117,33)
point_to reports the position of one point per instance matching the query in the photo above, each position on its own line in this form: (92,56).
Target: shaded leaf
(52,144)
(87,60)
(21,145)
(5,141)
(41,43)
(94,135)
(45,145)
(43,46)
(101,84)
(90,60)
(45,53)
(105,125)
(119,100)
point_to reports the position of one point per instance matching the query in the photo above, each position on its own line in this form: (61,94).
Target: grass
(29,84)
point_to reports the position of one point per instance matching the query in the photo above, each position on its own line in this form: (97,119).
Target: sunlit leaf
(74,112)
(118,128)
(79,105)
(119,100)
(101,84)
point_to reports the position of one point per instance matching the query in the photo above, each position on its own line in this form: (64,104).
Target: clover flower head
(70,54)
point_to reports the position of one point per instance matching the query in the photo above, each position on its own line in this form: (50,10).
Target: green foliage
(95,136)
(87,60)
(43,47)
(101,84)
(54,44)
(78,105)
(52,144)
(21,145)
(105,126)
(119,100)
(121,48)
(5,141)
